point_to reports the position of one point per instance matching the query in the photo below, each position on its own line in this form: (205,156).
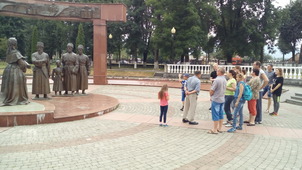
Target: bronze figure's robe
(57,79)
(70,70)
(13,87)
(84,69)
(41,73)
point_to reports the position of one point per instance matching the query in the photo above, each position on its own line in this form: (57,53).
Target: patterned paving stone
(124,139)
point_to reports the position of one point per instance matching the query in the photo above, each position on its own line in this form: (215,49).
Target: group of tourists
(72,77)
(229,92)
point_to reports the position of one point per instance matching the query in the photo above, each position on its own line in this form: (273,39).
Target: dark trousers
(276,103)
(259,108)
(227,107)
(163,113)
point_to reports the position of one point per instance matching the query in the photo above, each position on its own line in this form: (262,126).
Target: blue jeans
(238,111)
(183,96)
(267,89)
(163,113)
(217,111)
(259,108)
(227,106)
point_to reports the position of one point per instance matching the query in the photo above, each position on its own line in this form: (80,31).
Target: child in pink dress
(163,96)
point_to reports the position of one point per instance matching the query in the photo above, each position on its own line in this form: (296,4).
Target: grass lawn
(130,73)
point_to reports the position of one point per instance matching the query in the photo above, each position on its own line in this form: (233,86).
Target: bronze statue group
(73,76)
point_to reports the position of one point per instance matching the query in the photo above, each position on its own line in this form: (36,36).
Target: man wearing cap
(267,89)
(70,68)
(41,72)
(183,88)
(192,91)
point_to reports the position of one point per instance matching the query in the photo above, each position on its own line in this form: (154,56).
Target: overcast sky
(281,3)
(278,54)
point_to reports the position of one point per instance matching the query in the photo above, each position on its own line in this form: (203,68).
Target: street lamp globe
(173,30)
(110,36)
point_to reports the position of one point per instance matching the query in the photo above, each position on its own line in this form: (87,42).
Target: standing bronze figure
(70,69)
(13,88)
(84,70)
(57,77)
(41,72)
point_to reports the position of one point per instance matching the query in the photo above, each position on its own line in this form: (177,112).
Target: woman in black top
(276,89)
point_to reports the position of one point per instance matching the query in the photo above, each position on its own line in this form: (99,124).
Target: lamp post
(110,37)
(173,31)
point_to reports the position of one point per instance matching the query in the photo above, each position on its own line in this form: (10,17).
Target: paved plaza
(130,138)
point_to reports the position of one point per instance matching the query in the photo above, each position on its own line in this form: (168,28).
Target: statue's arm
(63,60)
(48,64)
(76,67)
(23,65)
(88,65)
(53,74)
(37,63)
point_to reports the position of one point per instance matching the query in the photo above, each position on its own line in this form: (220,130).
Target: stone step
(296,98)
(298,94)
(292,101)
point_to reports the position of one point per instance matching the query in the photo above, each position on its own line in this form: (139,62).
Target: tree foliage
(34,40)
(228,27)
(291,27)
(3,47)
(246,27)
(80,37)
(184,17)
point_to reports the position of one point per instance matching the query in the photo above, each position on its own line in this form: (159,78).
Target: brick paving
(130,138)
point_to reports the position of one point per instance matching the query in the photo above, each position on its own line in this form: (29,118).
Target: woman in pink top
(163,96)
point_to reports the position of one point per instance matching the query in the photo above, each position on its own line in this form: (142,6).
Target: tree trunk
(145,58)
(156,55)
(119,54)
(300,56)
(229,57)
(283,59)
(294,54)
(262,54)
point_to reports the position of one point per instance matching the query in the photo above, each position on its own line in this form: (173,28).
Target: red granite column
(100,52)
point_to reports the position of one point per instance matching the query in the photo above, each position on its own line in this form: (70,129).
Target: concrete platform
(58,109)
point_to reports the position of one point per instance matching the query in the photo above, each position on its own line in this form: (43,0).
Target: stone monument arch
(96,13)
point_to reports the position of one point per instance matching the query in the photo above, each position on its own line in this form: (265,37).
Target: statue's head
(40,46)
(12,42)
(80,49)
(58,63)
(69,47)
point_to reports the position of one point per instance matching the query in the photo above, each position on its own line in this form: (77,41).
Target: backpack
(247,93)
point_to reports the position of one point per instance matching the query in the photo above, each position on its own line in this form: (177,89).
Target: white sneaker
(228,125)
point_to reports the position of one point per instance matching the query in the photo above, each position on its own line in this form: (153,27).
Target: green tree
(15,27)
(81,37)
(291,27)
(34,40)
(138,28)
(284,48)
(246,27)
(184,16)
(115,45)
(3,47)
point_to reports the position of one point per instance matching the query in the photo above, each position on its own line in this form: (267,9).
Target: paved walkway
(130,138)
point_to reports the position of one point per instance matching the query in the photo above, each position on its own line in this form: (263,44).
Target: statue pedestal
(60,109)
